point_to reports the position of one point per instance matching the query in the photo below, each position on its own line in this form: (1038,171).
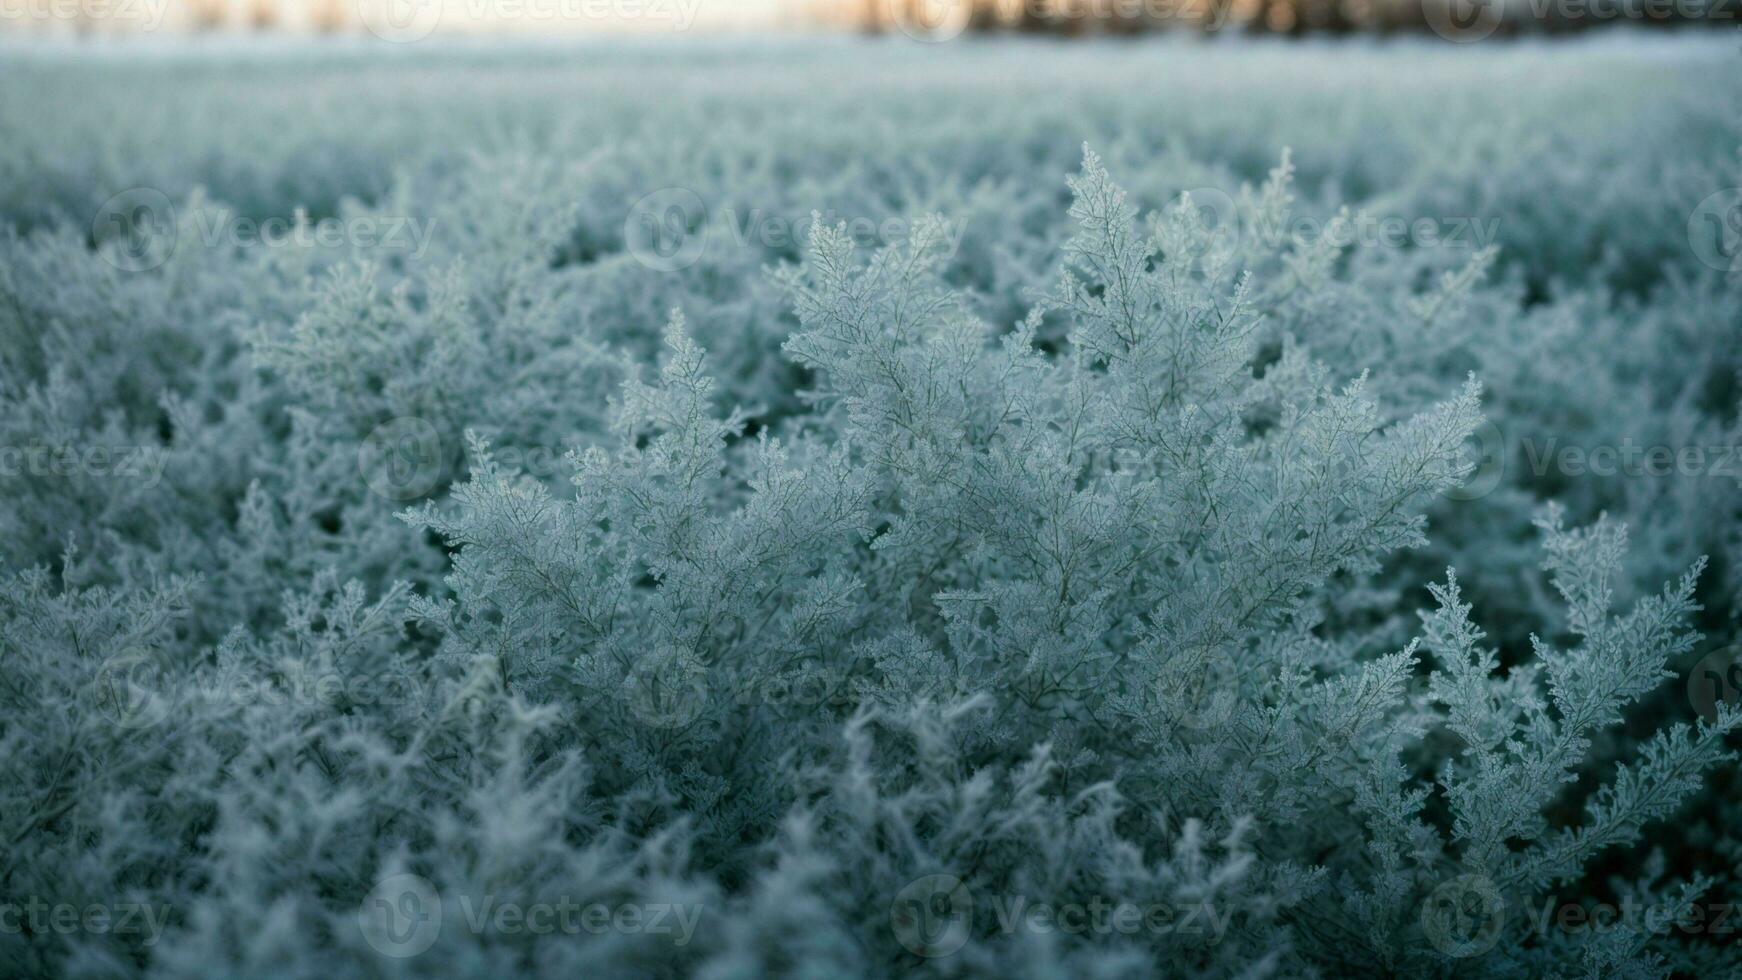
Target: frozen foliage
(950,521)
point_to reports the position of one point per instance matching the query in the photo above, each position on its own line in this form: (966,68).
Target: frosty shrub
(1197,518)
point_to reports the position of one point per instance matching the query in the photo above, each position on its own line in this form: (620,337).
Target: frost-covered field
(832,508)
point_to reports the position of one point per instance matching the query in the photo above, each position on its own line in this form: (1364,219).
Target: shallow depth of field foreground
(847,508)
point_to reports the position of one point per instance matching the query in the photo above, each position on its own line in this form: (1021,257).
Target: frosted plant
(953,568)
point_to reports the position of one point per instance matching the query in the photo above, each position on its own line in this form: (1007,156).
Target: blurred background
(926,20)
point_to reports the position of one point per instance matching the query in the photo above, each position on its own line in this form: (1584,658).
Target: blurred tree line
(1461,18)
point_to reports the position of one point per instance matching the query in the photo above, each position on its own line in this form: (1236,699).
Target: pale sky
(401,19)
